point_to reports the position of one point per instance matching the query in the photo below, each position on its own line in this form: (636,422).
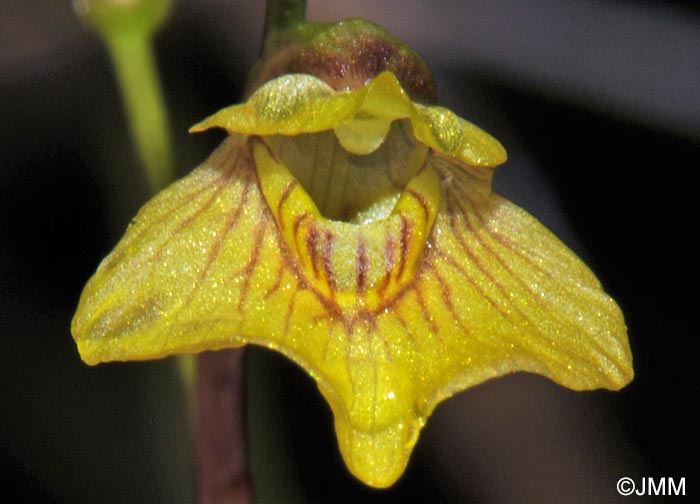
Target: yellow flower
(355,231)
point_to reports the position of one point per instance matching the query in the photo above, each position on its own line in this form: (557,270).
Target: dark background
(597,104)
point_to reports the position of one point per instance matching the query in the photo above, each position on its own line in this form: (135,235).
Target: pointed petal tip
(500,154)
(199,127)
(87,351)
(624,375)
(378,459)
(80,339)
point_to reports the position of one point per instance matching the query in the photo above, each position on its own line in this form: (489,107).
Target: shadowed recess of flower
(355,231)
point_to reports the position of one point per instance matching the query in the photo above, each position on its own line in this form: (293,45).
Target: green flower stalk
(127,28)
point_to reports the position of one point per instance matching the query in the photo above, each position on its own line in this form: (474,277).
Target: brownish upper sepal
(347,55)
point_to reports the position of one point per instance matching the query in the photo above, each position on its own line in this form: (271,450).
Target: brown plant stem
(223,475)
(222,458)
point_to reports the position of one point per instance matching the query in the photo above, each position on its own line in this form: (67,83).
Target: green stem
(280,16)
(137,75)
(127,29)
(132,56)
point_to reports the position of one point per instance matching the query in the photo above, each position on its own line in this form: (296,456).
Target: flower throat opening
(349,187)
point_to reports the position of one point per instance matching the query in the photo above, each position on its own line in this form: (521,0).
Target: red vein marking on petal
(405,326)
(291,185)
(219,182)
(298,222)
(364,319)
(546,341)
(278,281)
(445,291)
(406,230)
(479,238)
(213,253)
(289,261)
(506,242)
(253,261)
(425,312)
(482,293)
(553,313)
(446,295)
(190,218)
(389,252)
(502,239)
(226,177)
(269,150)
(327,316)
(422,200)
(290,311)
(464,192)
(229,225)
(216,244)
(362,265)
(563,320)
(215,249)
(312,247)
(328,241)
(476,260)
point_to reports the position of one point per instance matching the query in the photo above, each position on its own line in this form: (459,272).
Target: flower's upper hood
(298,103)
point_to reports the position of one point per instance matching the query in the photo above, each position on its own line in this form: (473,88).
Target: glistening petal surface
(475,288)
(298,103)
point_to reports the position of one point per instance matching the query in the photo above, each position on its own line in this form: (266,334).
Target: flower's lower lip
(445,286)
(360,267)
(470,288)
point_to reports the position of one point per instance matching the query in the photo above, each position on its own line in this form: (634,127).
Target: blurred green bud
(113,17)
